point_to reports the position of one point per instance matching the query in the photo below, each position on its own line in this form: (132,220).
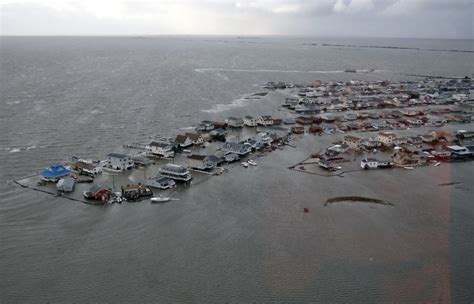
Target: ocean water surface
(240,237)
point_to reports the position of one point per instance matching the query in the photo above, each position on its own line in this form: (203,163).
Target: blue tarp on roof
(55,170)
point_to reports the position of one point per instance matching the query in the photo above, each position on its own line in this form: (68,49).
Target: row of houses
(358,95)
(250,121)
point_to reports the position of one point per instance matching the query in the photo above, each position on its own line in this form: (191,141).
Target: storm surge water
(239,237)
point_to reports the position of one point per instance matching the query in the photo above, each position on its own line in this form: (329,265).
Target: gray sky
(380,18)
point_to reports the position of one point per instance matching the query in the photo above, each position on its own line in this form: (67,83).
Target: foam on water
(218,108)
(362,71)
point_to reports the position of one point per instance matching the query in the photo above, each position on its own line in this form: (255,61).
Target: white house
(235,122)
(195,138)
(369,163)
(87,168)
(183,141)
(236,148)
(200,162)
(265,120)
(250,121)
(160,149)
(263,138)
(372,163)
(121,162)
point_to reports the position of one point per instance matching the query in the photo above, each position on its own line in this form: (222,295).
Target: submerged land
(360,126)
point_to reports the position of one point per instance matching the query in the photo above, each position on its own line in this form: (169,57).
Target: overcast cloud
(381,18)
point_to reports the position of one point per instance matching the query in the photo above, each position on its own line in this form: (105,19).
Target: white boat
(437,164)
(252,162)
(245,164)
(408,168)
(162,199)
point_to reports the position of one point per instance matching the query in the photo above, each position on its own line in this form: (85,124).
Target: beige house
(387,138)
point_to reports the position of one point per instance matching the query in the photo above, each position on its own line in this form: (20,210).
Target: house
(363,115)
(304,120)
(98,193)
(235,122)
(407,157)
(136,192)
(429,137)
(236,148)
(370,144)
(200,162)
(369,163)
(289,120)
(250,121)
(297,130)
(231,157)
(441,154)
(386,137)
(66,184)
(414,140)
(374,115)
(315,130)
(197,139)
(277,121)
(160,149)
(265,121)
(307,108)
(183,141)
(161,182)
(219,125)
(120,162)
(328,118)
(217,161)
(176,172)
(464,134)
(353,126)
(218,134)
(205,126)
(399,141)
(351,116)
(328,128)
(459,151)
(86,168)
(54,172)
(338,149)
(353,142)
(263,139)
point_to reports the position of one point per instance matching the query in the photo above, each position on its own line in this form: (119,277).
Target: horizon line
(233,35)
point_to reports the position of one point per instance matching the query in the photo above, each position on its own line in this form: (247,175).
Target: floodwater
(241,236)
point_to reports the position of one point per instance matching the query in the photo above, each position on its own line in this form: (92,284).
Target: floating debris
(449,184)
(356,199)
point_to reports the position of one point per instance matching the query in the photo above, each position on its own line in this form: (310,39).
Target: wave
(16,150)
(187,128)
(218,108)
(363,71)
(388,47)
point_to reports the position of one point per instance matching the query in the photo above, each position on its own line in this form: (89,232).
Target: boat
(245,164)
(162,199)
(408,168)
(252,162)
(437,164)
